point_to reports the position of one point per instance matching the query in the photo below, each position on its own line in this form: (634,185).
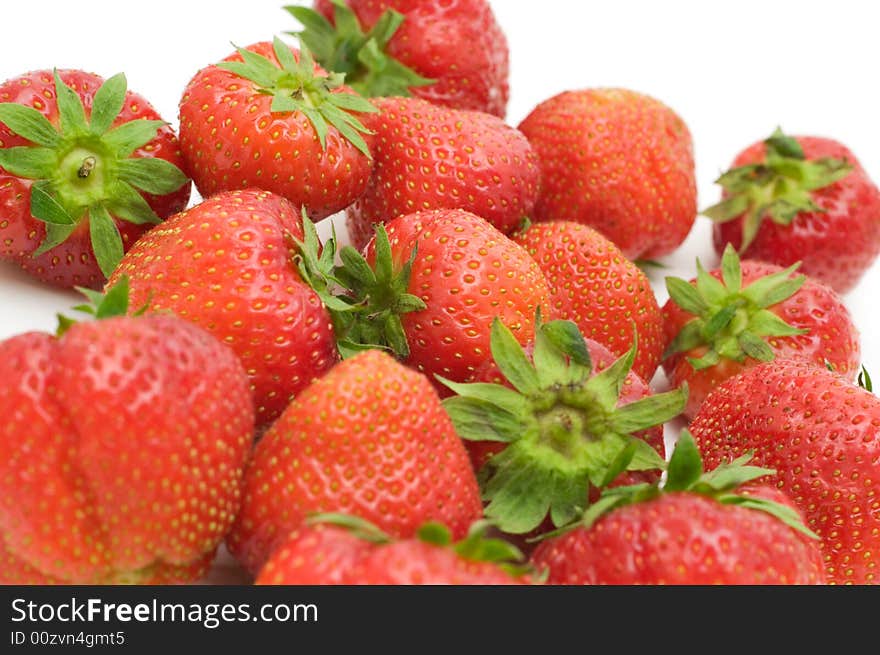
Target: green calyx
(780,188)
(561,423)
(344,47)
(295,87)
(731,322)
(84,171)
(113,302)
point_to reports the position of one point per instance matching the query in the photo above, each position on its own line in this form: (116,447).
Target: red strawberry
(820,433)
(268,117)
(594,285)
(227,265)
(451,53)
(619,161)
(122,450)
(801,199)
(748,312)
(369,438)
(429,157)
(695,530)
(85,168)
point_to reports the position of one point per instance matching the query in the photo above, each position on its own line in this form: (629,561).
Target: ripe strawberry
(226,265)
(351,551)
(369,438)
(619,161)
(820,432)
(429,157)
(817,201)
(122,450)
(86,167)
(696,529)
(594,285)
(748,312)
(450,53)
(268,117)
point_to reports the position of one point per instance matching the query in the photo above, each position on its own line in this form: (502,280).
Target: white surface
(733,71)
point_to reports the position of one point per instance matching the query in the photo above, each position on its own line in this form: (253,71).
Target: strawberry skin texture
(430,157)
(369,438)
(226,265)
(594,285)
(230,139)
(72,263)
(683,539)
(466,272)
(832,336)
(820,433)
(619,161)
(314,555)
(835,246)
(459,44)
(123,451)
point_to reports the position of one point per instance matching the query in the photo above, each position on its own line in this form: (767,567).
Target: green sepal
(153,175)
(108,102)
(105,238)
(113,302)
(33,162)
(55,235)
(124,139)
(864,380)
(29,124)
(46,207)
(129,205)
(359,527)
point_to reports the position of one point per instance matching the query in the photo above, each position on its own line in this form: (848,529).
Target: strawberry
(86,167)
(122,450)
(226,265)
(594,285)
(820,432)
(354,552)
(430,157)
(801,199)
(695,529)
(749,312)
(619,161)
(369,438)
(450,53)
(268,117)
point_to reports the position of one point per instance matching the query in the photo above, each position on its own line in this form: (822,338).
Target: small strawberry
(351,551)
(594,285)
(801,199)
(369,438)
(820,432)
(430,157)
(227,265)
(618,161)
(453,53)
(122,450)
(268,117)
(86,167)
(695,529)
(749,312)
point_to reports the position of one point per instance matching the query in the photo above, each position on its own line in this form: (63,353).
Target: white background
(733,71)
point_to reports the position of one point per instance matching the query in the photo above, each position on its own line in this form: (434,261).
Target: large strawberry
(86,167)
(696,528)
(430,157)
(122,449)
(747,312)
(227,265)
(268,117)
(594,285)
(801,199)
(619,161)
(820,432)
(369,438)
(450,53)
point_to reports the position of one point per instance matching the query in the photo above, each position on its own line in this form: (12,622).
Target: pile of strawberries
(459,395)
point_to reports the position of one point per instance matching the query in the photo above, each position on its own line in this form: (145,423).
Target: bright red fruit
(801,199)
(619,161)
(370,439)
(430,157)
(86,167)
(268,117)
(820,432)
(227,265)
(594,285)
